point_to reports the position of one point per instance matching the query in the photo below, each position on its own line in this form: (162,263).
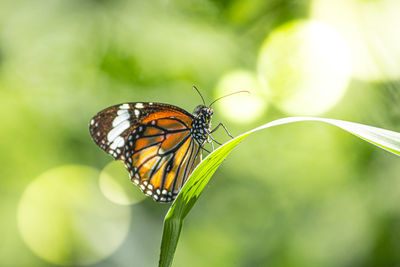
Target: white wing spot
(139,105)
(123,117)
(124,106)
(118,142)
(91,122)
(122,111)
(115,132)
(137,112)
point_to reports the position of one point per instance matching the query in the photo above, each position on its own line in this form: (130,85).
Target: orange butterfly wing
(155,143)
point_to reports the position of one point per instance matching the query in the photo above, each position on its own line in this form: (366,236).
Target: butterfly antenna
(228,95)
(194,87)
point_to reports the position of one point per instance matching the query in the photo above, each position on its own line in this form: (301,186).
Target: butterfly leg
(226,130)
(205,150)
(213,140)
(202,146)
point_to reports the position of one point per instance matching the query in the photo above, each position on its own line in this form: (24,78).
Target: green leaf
(190,192)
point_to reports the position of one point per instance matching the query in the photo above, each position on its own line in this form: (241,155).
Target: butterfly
(160,144)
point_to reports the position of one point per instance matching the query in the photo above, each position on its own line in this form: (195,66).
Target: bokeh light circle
(306,65)
(370,30)
(241,107)
(117,187)
(64,218)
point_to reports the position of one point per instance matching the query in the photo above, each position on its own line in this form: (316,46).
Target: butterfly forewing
(153,140)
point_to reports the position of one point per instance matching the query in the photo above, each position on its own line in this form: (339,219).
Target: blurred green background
(305,194)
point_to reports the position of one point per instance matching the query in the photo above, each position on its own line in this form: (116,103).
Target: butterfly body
(201,125)
(160,144)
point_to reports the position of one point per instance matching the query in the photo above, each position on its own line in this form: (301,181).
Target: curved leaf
(190,192)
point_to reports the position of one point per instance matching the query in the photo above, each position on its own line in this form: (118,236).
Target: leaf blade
(190,192)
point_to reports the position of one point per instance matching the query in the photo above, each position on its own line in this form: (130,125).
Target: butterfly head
(203,112)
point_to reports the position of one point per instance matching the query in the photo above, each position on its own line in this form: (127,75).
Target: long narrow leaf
(190,192)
